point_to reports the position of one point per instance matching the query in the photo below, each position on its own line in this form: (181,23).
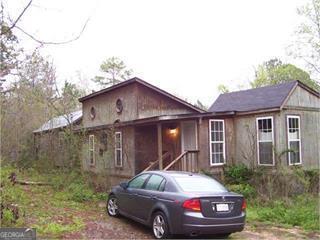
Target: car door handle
(153,197)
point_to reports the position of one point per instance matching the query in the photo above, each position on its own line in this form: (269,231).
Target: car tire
(112,206)
(160,226)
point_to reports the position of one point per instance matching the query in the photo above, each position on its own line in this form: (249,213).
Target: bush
(245,189)
(236,174)
(300,211)
(80,192)
(313,176)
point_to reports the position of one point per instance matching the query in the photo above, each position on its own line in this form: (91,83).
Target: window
(91,150)
(196,183)
(265,141)
(217,142)
(154,183)
(118,149)
(138,181)
(294,140)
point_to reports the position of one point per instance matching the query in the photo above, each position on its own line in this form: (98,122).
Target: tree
(275,72)
(307,43)
(69,97)
(114,71)
(200,105)
(223,88)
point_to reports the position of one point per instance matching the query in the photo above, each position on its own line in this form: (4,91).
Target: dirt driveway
(100,226)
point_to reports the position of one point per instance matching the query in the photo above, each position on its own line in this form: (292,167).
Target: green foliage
(307,37)
(114,71)
(56,229)
(7,218)
(223,88)
(300,211)
(245,189)
(275,72)
(235,174)
(80,192)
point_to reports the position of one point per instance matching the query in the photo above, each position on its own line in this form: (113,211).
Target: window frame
(117,149)
(258,141)
(223,142)
(295,140)
(92,149)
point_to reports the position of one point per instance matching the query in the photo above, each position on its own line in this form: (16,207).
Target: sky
(186,47)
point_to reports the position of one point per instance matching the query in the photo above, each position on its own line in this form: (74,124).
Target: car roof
(173,173)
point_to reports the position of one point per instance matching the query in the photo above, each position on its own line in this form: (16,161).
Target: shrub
(300,211)
(7,218)
(236,174)
(313,176)
(80,192)
(245,189)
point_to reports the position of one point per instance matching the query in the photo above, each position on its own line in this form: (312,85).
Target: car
(175,203)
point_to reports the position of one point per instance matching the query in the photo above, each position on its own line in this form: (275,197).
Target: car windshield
(195,183)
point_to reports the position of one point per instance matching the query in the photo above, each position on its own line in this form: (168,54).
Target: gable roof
(146,84)
(268,97)
(60,121)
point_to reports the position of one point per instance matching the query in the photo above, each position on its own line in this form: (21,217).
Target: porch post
(159,129)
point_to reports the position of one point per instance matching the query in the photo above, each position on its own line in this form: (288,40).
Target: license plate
(222,207)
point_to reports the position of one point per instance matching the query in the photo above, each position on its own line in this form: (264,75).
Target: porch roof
(163,118)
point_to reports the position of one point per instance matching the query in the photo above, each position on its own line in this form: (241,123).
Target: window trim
(116,149)
(295,140)
(223,142)
(258,141)
(93,163)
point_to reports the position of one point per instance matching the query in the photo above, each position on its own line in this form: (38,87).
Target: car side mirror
(124,185)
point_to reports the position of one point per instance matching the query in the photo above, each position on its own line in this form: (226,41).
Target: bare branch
(21,14)
(53,43)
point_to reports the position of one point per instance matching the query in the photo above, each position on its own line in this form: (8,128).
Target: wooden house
(134,126)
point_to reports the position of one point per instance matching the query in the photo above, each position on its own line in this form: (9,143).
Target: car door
(148,195)
(128,202)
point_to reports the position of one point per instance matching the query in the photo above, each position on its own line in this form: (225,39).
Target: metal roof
(60,121)
(254,99)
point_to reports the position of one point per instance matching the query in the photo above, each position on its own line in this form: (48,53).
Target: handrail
(176,160)
(152,164)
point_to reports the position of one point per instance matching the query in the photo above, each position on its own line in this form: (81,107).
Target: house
(50,138)
(269,121)
(134,126)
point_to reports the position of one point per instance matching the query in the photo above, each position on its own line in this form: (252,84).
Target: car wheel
(160,226)
(112,206)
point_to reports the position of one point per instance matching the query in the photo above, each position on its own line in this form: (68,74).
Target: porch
(170,145)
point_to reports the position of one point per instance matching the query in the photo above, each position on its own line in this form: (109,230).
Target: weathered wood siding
(204,144)
(302,98)
(310,139)
(146,146)
(152,103)
(105,107)
(105,158)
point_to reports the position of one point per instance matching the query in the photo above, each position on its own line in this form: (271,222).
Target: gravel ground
(102,226)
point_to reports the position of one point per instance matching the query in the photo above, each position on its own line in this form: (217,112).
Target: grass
(302,211)
(69,203)
(53,210)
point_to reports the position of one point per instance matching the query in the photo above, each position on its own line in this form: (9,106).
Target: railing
(154,163)
(186,161)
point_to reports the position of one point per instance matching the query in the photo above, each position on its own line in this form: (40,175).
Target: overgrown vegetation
(279,196)
(53,210)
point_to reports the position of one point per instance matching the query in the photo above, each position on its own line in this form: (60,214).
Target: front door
(189,142)
(189,136)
